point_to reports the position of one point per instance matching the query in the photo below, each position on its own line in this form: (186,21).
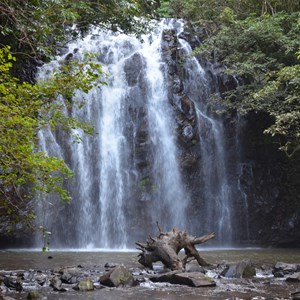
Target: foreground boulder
(281,269)
(70,275)
(118,276)
(296,295)
(243,269)
(194,279)
(84,285)
(56,284)
(294,277)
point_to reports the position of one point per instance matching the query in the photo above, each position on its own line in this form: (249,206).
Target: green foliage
(36,26)
(284,90)
(24,109)
(164,10)
(254,46)
(211,10)
(261,51)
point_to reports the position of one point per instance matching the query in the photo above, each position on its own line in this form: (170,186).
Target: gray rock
(296,295)
(56,284)
(41,279)
(118,276)
(70,275)
(294,277)
(285,268)
(278,274)
(10,282)
(110,265)
(243,269)
(84,285)
(132,68)
(194,279)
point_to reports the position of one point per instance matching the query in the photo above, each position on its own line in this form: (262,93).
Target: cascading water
(216,188)
(128,175)
(106,164)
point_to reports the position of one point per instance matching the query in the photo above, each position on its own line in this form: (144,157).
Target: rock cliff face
(163,154)
(265,211)
(266,206)
(270,183)
(267,181)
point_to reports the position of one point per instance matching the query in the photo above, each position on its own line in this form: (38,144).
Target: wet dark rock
(293,278)
(19,286)
(194,279)
(243,269)
(118,276)
(68,57)
(286,267)
(35,295)
(188,132)
(132,68)
(191,34)
(177,85)
(226,83)
(84,285)
(10,282)
(188,160)
(41,279)
(278,274)
(70,275)
(110,265)
(56,284)
(295,295)
(27,72)
(281,269)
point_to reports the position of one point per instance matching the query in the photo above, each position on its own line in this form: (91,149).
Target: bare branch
(203,239)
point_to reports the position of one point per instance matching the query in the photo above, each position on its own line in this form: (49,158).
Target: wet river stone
(85,285)
(194,279)
(118,276)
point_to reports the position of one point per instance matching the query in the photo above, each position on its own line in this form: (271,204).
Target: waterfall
(129,174)
(217,192)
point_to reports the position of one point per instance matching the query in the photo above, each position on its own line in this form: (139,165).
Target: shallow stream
(263,286)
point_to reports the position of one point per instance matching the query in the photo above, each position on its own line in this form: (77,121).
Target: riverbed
(263,286)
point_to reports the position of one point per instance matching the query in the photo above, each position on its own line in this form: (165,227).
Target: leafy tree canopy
(24,109)
(212,9)
(262,52)
(35,28)
(258,41)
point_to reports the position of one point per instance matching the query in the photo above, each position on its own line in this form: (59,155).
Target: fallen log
(166,246)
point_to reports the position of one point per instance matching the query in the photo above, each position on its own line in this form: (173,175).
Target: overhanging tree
(262,52)
(36,28)
(24,110)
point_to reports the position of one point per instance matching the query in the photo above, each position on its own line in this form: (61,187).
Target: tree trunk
(166,246)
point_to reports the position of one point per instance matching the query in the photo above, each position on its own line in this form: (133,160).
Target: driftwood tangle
(166,246)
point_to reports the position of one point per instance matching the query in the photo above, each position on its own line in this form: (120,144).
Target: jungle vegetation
(259,43)
(33,30)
